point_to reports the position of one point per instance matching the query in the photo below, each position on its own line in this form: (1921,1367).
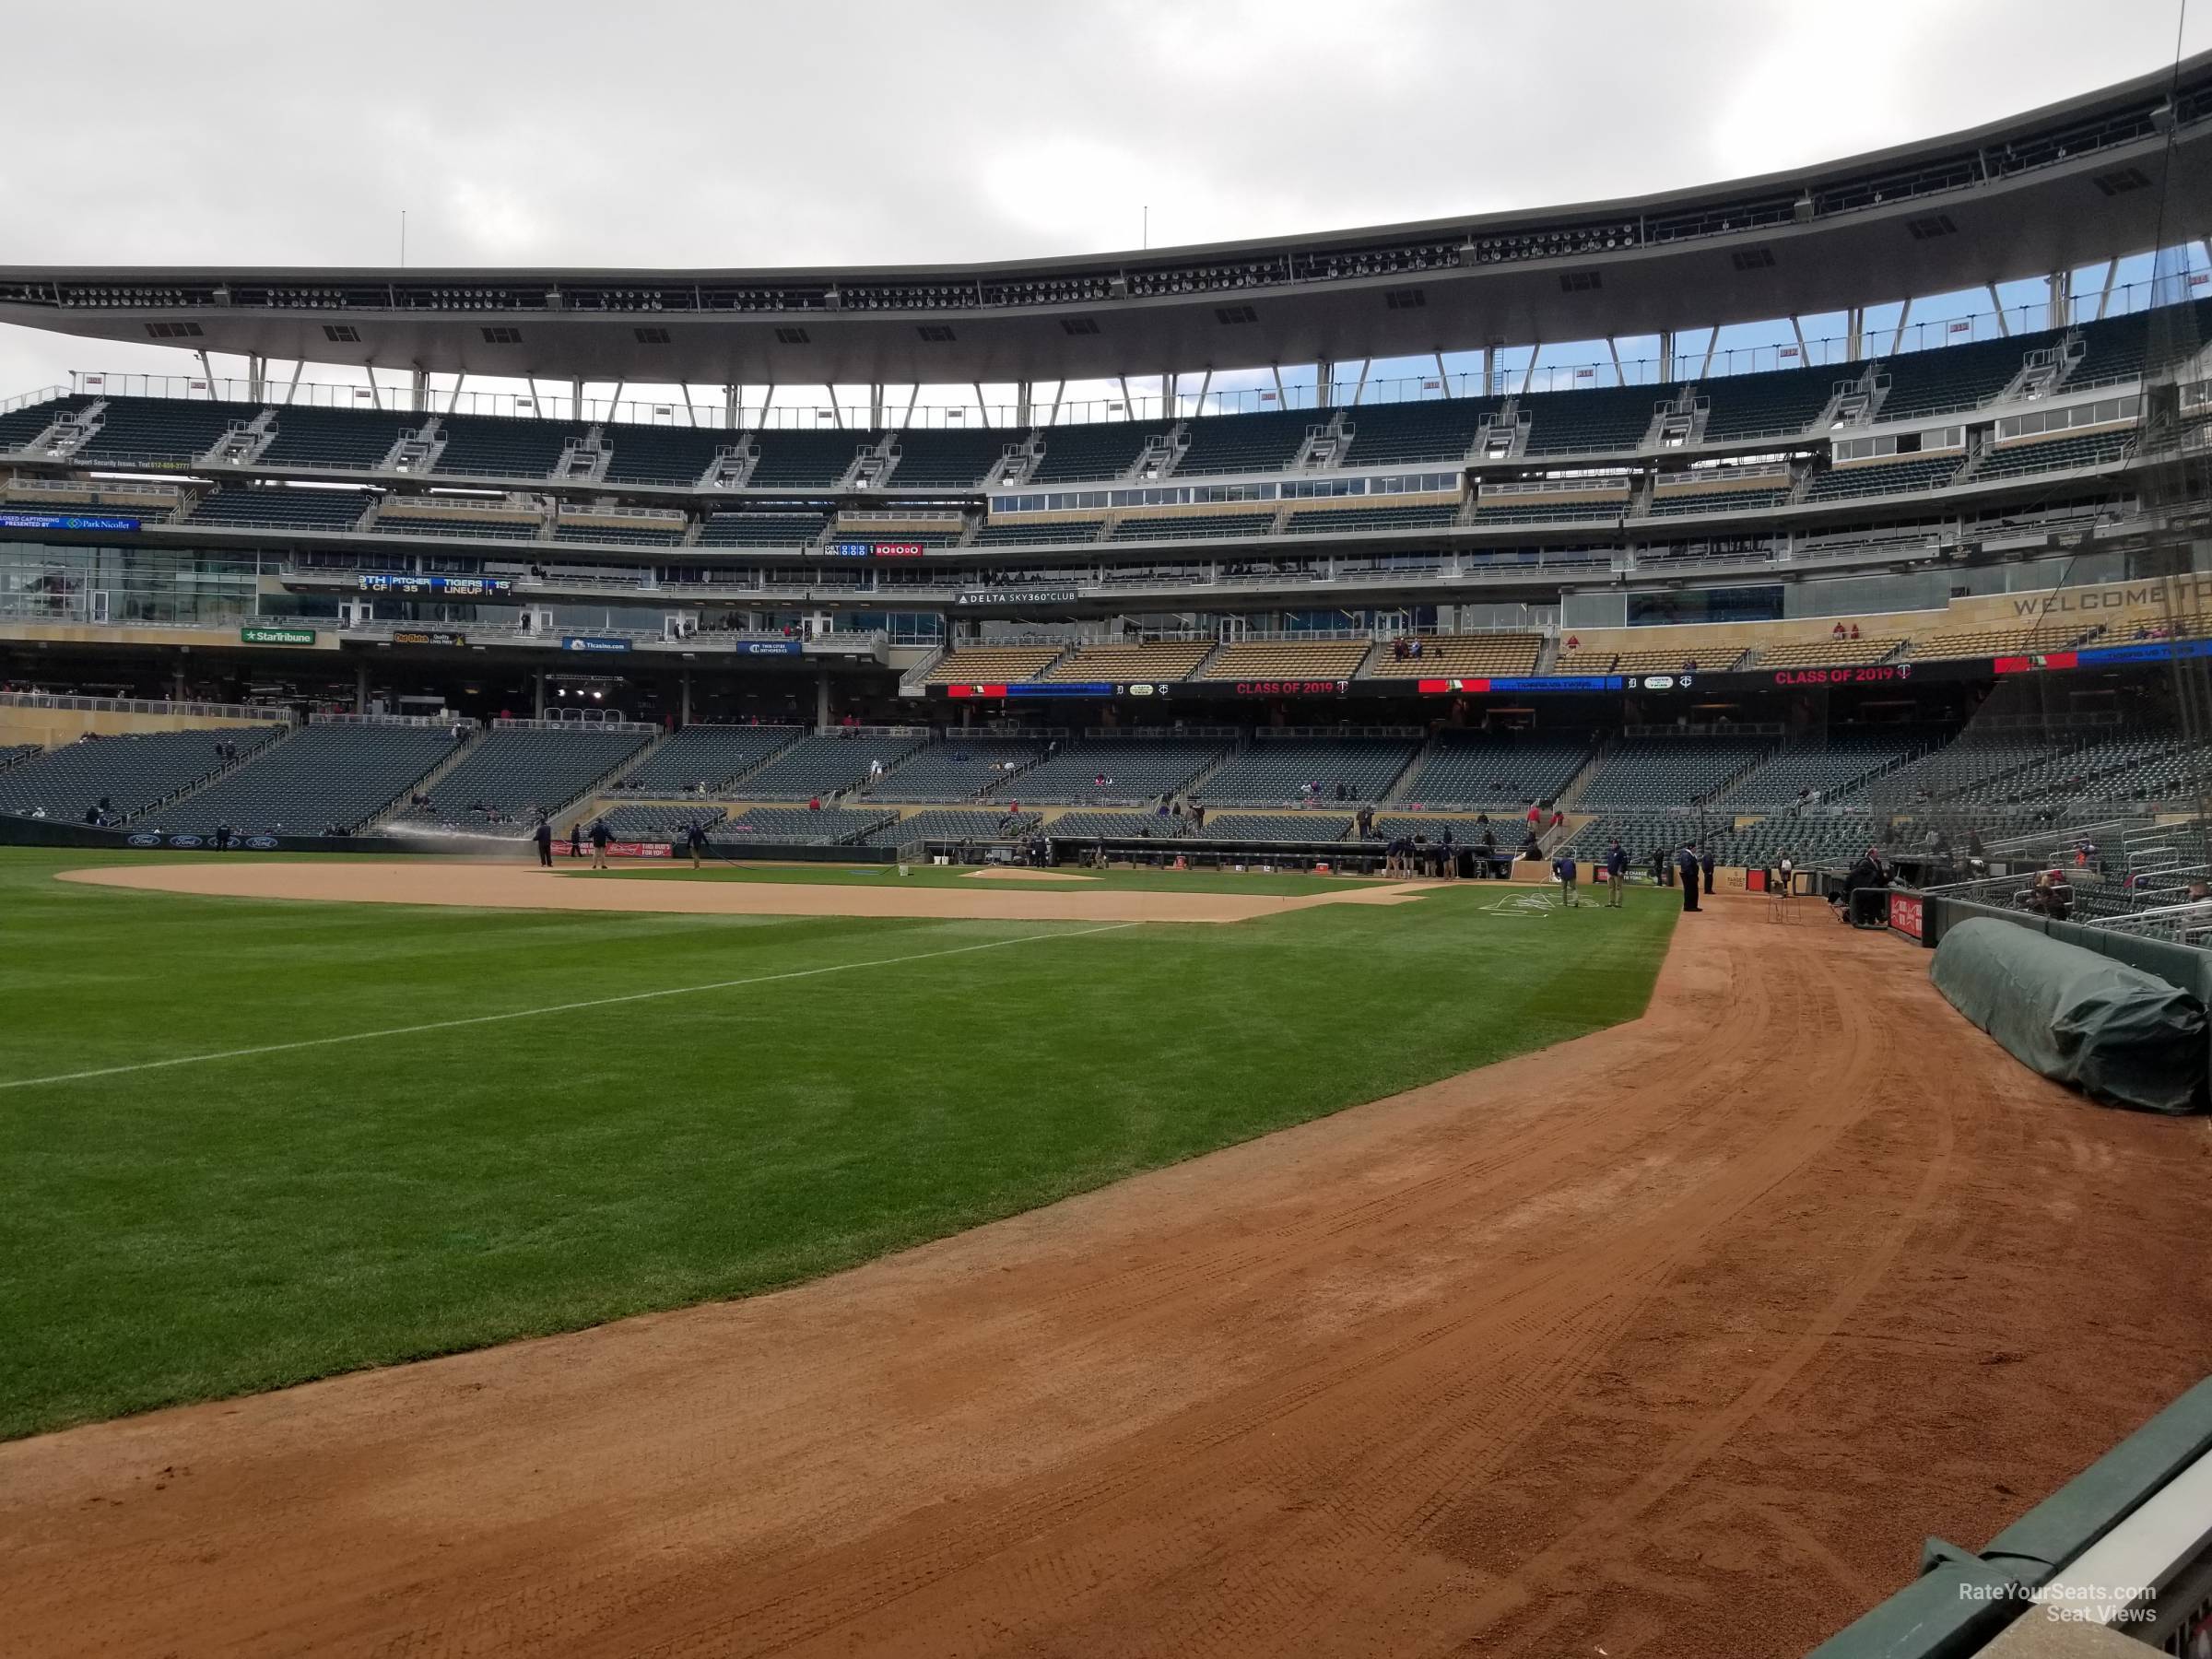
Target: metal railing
(129,705)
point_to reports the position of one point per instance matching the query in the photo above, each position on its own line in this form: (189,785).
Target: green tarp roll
(2120,1035)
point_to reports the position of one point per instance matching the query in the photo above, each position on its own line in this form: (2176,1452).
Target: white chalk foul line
(567,1007)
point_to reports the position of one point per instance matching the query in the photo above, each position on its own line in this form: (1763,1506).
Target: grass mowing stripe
(567,1007)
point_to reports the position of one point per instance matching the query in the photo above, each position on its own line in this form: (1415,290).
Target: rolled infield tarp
(2118,1034)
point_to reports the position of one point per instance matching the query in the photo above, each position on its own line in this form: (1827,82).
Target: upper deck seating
(1598,419)
(357,440)
(1438,430)
(488,446)
(1100,451)
(1287,659)
(947,457)
(1945,377)
(808,460)
(1239,443)
(160,432)
(658,454)
(1780,401)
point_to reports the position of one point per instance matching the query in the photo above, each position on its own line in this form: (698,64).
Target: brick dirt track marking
(1673,1340)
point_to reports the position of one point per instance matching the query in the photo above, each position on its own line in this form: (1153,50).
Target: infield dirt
(1672,1340)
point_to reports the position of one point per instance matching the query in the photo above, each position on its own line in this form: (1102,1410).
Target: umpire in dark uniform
(543,834)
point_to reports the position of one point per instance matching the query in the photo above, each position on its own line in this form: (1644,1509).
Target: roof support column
(2004,328)
(1281,401)
(1667,353)
(1535,350)
(876,403)
(1443,381)
(912,391)
(257,376)
(419,387)
(207,370)
(576,399)
(837,416)
(1128,402)
(1170,384)
(730,395)
(2104,298)
(1203,387)
(1359,390)
(690,419)
(1797,327)
(1854,326)
(1025,396)
(1324,382)
(983,414)
(612,403)
(1904,315)
(293,388)
(768,397)
(1613,346)
(376,392)
(460,380)
(1059,390)
(1713,338)
(2059,309)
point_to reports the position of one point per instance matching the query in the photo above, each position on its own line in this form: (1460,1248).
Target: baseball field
(935,1266)
(254,1141)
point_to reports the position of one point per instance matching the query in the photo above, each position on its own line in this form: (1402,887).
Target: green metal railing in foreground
(1961,1599)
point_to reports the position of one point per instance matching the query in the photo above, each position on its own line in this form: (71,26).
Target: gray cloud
(724,135)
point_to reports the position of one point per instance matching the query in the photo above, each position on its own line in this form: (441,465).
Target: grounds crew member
(1617,868)
(1563,867)
(544,836)
(1705,863)
(599,839)
(1686,865)
(695,837)
(576,841)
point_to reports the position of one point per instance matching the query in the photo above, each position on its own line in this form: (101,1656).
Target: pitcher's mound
(1027,875)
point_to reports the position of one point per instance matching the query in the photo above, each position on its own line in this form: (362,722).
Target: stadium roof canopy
(2076,183)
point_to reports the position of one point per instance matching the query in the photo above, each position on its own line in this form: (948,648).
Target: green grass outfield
(234,1224)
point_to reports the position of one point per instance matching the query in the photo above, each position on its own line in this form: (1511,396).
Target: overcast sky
(653,132)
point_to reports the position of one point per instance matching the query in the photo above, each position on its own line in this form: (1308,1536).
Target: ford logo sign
(262,843)
(143,840)
(183,840)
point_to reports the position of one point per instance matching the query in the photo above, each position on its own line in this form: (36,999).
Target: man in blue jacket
(1617,868)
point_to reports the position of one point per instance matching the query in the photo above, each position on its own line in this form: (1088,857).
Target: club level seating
(1829,763)
(1718,500)
(713,755)
(667,821)
(161,429)
(1668,771)
(1822,653)
(486,446)
(1170,526)
(1455,655)
(1275,827)
(761,529)
(1114,769)
(822,765)
(1494,768)
(1342,520)
(657,454)
(947,457)
(797,460)
(635,535)
(18,427)
(1102,451)
(1287,659)
(328,777)
(1117,826)
(1154,660)
(2053,455)
(1603,417)
(1996,641)
(992,664)
(1513,510)
(959,768)
(359,439)
(1044,530)
(1753,406)
(133,771)
(1278,769)
(1888,478)
(1675,661)
(281,507)
(1443,430)
(514,775)
(1236,443)
(1945,377)
(797,825)
(459,523)
(951,824)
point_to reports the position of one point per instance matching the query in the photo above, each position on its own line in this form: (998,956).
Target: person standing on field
(599,839)
(1686,865)
(544,835)
(1617,869)
(1705,863)
(576,841)
(695,837)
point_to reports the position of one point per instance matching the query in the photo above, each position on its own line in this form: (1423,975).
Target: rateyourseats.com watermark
(2076,1603)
